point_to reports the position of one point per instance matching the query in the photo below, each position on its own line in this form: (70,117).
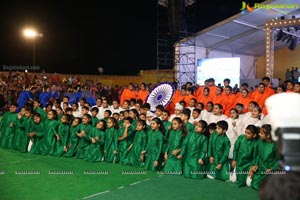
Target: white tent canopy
(242,35)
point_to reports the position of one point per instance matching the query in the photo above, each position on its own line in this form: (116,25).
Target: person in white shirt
(195,118)
(149,117)
(217,114)
(103,108)
(177,111)
(115,108)
(76,112)
(235,125)
(253,119)
(205,114)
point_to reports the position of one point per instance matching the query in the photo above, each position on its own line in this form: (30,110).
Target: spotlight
(293,43)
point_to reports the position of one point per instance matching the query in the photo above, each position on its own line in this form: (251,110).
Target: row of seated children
(173,147)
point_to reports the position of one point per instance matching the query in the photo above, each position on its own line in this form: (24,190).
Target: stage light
(30,33)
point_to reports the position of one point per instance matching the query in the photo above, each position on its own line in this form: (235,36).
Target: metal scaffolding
(172,54)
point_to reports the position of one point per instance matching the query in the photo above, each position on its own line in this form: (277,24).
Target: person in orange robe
(143,92)
(270,91)
(219,98)
(205,97)
(229,100)
(188,96)
(244,99)
(127,94)
(260,96)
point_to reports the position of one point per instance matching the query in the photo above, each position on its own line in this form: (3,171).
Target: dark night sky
(119,36)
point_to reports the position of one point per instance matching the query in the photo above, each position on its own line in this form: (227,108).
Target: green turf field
(112,181)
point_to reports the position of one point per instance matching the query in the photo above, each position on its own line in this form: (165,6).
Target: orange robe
(229,101)
(142,94)
(219,99)
(127,95)
(245,101)
(260,98)
(204,99)
(188,98)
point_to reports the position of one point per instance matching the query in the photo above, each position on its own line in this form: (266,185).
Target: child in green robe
(266,161)
(94,113)
(185,116)
(168,125)
(194,151)
(73,140)
(37,134)
(121,119)
(111,140)
(125,139)
(94,151)
(154,147)
(62,136)
(172,155)
(133,113)
(218,151)
(19,130)
(37,108)
(138,145)
(26,125)
(49,139)
(60,113)
(8,127)
(84,133)
(244,154)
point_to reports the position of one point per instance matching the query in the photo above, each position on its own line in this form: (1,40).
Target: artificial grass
(117,184)
(180,188)
(59,186)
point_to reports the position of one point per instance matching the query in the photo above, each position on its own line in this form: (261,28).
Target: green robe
(73,142)
(39,129)
(166,124)
(94,151)
(94,121)
(111,144)
(194,148)
(41,112)
(26,125)
(138,145)
(84,141)
(190,128)
(63,132)
(8,128)
(124,144)
(267,158)
(244,153)
(49,139)
(218,148)
(120,123)
(173,164)
(154,149)
(18,134)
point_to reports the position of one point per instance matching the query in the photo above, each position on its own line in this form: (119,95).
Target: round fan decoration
(161,94)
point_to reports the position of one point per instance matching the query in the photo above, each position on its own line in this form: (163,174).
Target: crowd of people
(204,132)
